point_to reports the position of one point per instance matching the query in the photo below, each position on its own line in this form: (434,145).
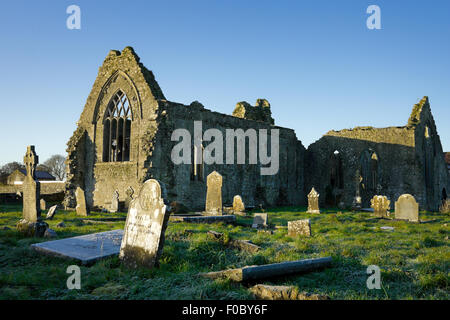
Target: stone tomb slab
(87,249)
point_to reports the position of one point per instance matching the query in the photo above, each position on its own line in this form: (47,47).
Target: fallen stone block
(270,270)
(268,292)
(245,245)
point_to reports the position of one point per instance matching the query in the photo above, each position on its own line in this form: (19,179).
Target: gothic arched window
(336,172)
(117,129)
(369,170)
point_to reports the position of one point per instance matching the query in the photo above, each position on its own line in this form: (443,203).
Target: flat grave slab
(87,249)
(204,219)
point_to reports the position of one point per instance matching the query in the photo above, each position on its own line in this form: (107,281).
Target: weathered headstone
(31,224)
(238,204)
(406,208)
(313,202)
(214,194)
(129,192)
(299,227)
(114,202)
(259,220)
(43,205)
(146,223)
(357,201)
(51,212)
(445,206)
(380,205)
(81,208)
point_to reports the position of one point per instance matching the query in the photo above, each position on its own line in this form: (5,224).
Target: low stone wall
(50,191)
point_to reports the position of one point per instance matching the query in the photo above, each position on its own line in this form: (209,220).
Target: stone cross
(31,187)
(146,223)
(214,194)
(406,208)
(31,160)
(380,205)
(313,202)
(31,224)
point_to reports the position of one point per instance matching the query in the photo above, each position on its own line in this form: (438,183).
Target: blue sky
(315,61)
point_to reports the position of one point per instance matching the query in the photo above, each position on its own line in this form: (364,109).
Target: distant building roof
(40,175)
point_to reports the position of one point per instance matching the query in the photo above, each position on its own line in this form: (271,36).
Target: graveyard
(413,257)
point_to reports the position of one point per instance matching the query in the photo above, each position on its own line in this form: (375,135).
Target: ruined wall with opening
(390,161)
(283,188)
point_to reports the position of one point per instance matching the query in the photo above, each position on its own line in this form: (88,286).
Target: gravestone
(31,224)
(445,206)
(43,205)
(51,212)
(146,223)
(313,202)
(238,204)
(259,220)
(406,208)
(82,209)
(129,192)
(299,227)
(380,205)
(114,202)
(214,194)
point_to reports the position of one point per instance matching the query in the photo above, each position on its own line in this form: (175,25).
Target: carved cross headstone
(406,208)
(146,223)
(238,204)
(380,205)
(313,202)
(114,202)
(214,194)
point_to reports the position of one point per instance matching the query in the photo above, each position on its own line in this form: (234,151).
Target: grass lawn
(414,259)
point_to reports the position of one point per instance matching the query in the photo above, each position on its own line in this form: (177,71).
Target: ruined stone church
(123,138)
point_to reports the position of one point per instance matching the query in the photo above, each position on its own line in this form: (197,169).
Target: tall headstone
(406,208)
(313,202)
(260,220)
(43,205)
(214,194)
(114,202)
(238,204)
(299,227)
(146,223)
(81,208)
(31,224)
(380,205)
(445,206)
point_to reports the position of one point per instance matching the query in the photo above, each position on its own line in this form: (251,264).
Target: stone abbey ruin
(123,138)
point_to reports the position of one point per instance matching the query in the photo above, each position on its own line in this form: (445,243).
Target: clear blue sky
(315,61)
